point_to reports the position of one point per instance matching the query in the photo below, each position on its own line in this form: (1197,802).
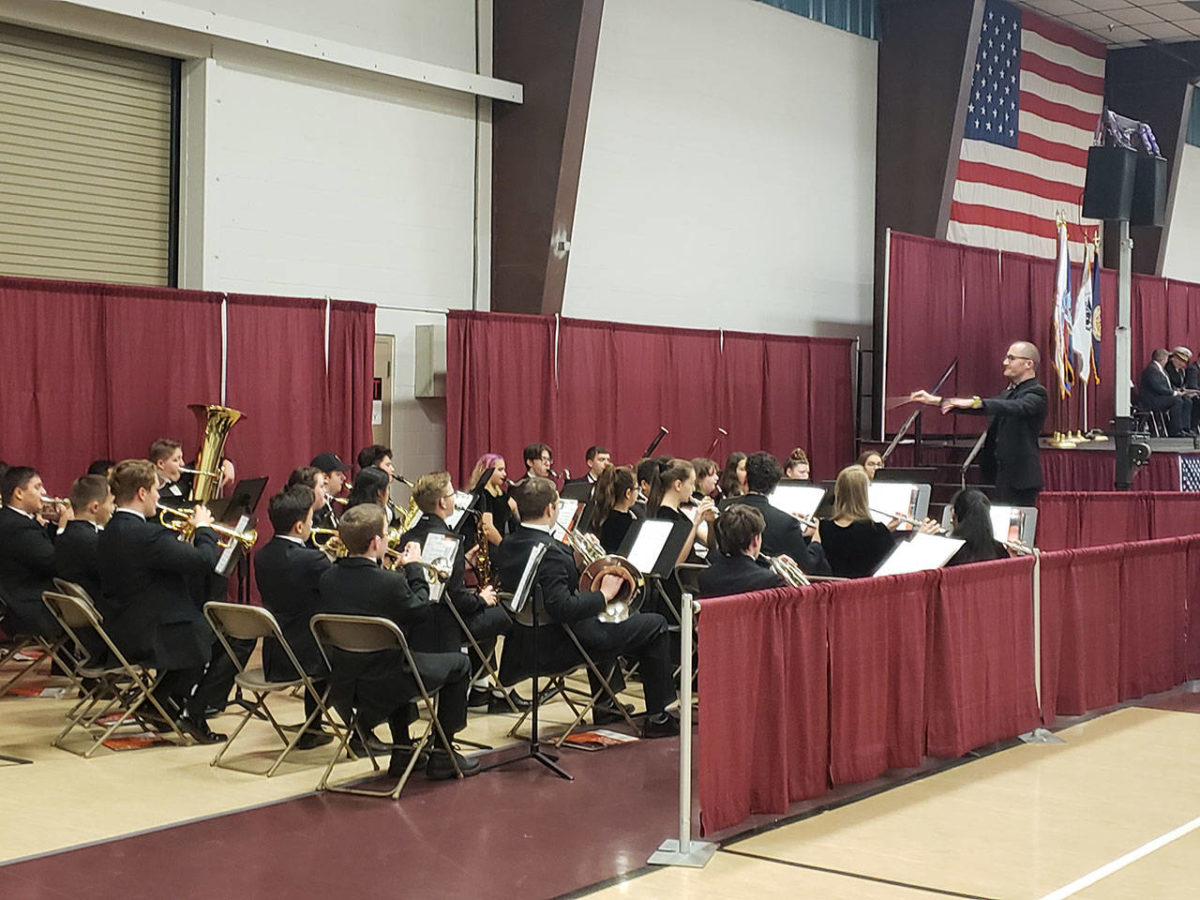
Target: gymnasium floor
(1109,813)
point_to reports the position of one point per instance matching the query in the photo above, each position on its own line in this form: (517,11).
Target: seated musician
(27,559)
(314,479)
(496,510)
(598,459)
(796,467)
(149,609)
(357,585)
(377,455)
(854,543)
(101,467)
(673,488)
(614,497)
(739,568)
(288,574)
(871,461)
(370,487)
(643,636)
(783,534)
(77,547)
(708,473)
(733,477)
(174,485)
(971,518)
(647,473)
(334,470)
(434,495)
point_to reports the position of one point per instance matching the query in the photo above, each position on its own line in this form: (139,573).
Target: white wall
(1182,259)
(728,171)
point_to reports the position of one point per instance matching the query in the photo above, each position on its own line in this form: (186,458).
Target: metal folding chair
(124,685)
(50,650)
(374,634)
(234,621)
(486,664)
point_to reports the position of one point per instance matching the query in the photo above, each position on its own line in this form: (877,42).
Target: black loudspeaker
(1108,191)
(1149,192)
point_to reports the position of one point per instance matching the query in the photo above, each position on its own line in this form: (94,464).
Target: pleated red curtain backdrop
(500,391)
(275,375)
(53,402)
(163,353)
(349,385)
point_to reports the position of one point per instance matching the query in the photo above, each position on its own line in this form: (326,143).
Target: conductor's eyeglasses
(1008,357)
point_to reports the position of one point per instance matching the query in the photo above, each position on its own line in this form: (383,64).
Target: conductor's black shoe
(310,739)
(497,703)
(479,697)
(608,714)
(661,725)
(197,728)
(440,767)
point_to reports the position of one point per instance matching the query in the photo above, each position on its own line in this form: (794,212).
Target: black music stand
(529,592)
(633,548)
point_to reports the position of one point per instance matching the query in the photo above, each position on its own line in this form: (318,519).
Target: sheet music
(525,585)
(568,510)
(891,497)
(462,502)
(648,547)
(923,551)
(228,556)
(1006,523)
(439,551)
(797,499)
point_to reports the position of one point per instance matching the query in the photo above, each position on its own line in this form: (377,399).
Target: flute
(1014,546)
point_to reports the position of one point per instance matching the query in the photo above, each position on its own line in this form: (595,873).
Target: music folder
(439,551)
(241,502)
(652,546)
(520,597)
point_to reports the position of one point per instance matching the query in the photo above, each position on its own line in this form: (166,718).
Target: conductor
(1010,452)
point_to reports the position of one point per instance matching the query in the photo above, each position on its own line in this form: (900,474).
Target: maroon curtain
(1154,615)
(164,353)
(1193,609)
(764,741)
(1174,514)
(53,403)
(877,674)
(500,392)
(743,376)
(1074,470)
(284,402)
(979,684)
(1149,322)
(924,317)
(350,380)
(982,302)
(1081,630)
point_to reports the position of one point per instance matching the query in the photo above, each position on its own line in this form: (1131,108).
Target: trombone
(181,520)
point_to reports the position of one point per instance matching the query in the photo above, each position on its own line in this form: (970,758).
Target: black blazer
(357,586)
(27,567)
(1010,458)
(1175,376)
(288,576)
(1191,376)
(783,534)
(144,576)
(736,575)
(1155,391)
(465,600)
(77,552)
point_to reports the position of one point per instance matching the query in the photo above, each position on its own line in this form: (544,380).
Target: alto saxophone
(483,559)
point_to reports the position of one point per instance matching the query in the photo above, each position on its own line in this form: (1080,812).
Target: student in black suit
(738,568)
(334,470)
(598,459)
(356,585)
(77,547)
(148,608)
(479,609)
(783,534)
(27,560)
(1010,457)
(288,573)
(642,635)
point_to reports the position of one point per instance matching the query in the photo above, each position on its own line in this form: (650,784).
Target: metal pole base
(1041,736)
(697,857)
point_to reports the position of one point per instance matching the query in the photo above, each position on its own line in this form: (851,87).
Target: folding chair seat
(119,683)
(235,622)
(373,634)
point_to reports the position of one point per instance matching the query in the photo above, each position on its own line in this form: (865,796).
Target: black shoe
(376,745)
(479,697)
(401,755)
(197,728)
(497,703)
(607,714)
(312,739)
(439,767)
(661,725)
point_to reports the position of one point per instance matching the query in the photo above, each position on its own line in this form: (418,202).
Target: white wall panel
(1182,259)
(728,171)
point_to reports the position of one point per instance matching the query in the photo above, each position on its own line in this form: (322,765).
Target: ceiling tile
(1163,31)
(1124,34)
(1104,5)
(1057,7)
(1136,16)
(1095,21)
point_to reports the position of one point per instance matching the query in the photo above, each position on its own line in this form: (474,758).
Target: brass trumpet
(51,506)
(181,520)
(328,542)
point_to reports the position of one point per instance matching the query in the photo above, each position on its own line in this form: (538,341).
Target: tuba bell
(596,563)
(215,423)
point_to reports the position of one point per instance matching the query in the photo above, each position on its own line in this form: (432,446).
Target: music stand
(529,592)
(577,490)
(652,546)
(232,511)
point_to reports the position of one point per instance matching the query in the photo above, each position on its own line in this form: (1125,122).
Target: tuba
(596,563)
(215,423)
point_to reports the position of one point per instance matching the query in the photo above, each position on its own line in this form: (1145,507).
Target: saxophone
(483,559)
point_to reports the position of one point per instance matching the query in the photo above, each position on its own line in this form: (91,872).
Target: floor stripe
(859,875)
(1122,861)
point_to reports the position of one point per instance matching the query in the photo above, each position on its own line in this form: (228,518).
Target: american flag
(1189,473)
(1036,95)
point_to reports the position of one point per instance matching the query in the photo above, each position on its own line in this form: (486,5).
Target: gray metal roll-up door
(85,160)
